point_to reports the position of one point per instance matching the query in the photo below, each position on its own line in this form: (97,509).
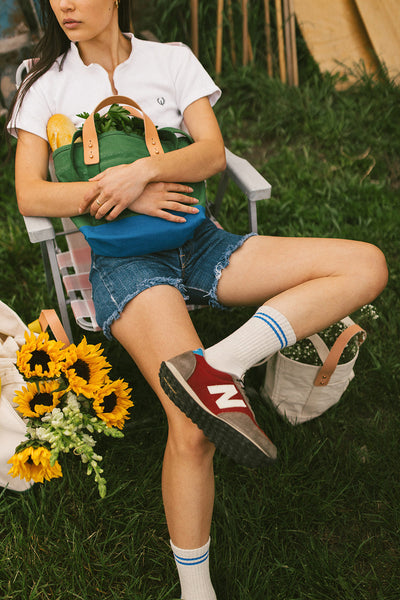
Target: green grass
(323,523)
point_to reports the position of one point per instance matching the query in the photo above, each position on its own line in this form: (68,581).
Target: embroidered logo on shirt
(161,100)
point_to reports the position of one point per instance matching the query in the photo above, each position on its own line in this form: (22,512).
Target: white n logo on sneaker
(227,399)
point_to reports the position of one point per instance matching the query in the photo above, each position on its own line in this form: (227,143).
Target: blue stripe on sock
(276,328)
(191,562)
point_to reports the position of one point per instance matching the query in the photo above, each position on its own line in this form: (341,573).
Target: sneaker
(217,403)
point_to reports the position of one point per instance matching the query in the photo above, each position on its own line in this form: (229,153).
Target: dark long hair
(54,43)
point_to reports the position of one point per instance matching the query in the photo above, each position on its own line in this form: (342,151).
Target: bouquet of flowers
(304,351)
(68,398)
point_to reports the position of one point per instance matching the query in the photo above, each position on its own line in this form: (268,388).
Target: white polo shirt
(164,79)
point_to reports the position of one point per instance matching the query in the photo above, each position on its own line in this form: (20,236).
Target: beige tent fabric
(336,36)
(382,22)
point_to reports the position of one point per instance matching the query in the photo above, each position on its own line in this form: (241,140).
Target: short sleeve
(193,82)
(32,114)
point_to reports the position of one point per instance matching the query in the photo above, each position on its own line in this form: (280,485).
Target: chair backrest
(23,70)
(72,266)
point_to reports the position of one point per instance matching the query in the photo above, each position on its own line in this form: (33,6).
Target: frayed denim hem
(106,326)
(219,267)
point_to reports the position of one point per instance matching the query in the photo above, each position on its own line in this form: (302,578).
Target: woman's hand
(116,188)
(158,198)
(120,187)
(112,195)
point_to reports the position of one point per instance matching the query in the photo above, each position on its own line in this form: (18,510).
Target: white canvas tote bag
(300,392)
(12,426)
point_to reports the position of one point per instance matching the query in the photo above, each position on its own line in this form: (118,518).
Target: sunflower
(38,398)
(34,463)
(112,401)
(85,368)
(39,356)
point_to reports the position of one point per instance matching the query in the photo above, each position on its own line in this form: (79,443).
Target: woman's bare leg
(153,327)
(313,282)
(303,285)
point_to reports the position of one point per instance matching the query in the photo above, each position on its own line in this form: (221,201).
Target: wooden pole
(245,32)
(293,43)
(220,20)
(231,32)
(250,48)
(268,37)
(194,4)
(288,41)
(281,42)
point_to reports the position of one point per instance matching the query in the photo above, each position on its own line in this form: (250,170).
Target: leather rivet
(91,155)
(90,144)
(157,151)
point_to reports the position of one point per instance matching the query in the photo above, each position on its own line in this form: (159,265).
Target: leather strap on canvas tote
(49,318)
(331,362)
(89,134)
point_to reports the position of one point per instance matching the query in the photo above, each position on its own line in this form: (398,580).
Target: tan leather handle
(89,135)
(330,364)
(49,318)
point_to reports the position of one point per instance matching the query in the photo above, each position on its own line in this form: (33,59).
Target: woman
(144,297)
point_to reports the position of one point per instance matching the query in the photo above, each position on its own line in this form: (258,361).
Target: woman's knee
(369,267)
(188,442)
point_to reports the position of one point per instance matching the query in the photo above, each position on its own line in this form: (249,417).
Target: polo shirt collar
(74,58)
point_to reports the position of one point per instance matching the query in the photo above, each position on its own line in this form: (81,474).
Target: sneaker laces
(239,381)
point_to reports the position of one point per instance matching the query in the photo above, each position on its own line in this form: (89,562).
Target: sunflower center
(81,369)
(39,357)
(109,402)
(43,398)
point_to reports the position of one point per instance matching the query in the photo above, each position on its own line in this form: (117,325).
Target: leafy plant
(305,352)
(117,118)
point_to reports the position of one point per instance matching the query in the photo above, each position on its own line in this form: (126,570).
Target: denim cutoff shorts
(194,269)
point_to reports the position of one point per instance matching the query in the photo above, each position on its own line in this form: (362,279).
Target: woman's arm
(38,197)
(35,195)
(121,187)
(146,186)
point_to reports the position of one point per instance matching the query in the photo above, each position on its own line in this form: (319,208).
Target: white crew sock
(266,332)
(194,572)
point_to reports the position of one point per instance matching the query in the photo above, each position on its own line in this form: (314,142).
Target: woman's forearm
(36,195)
(193,163)
(51,199)
(120,187)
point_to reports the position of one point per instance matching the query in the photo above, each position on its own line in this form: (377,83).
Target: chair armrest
(40,229)
(247,178)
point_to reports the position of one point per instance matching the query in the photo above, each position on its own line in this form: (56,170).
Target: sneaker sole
(228,440)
